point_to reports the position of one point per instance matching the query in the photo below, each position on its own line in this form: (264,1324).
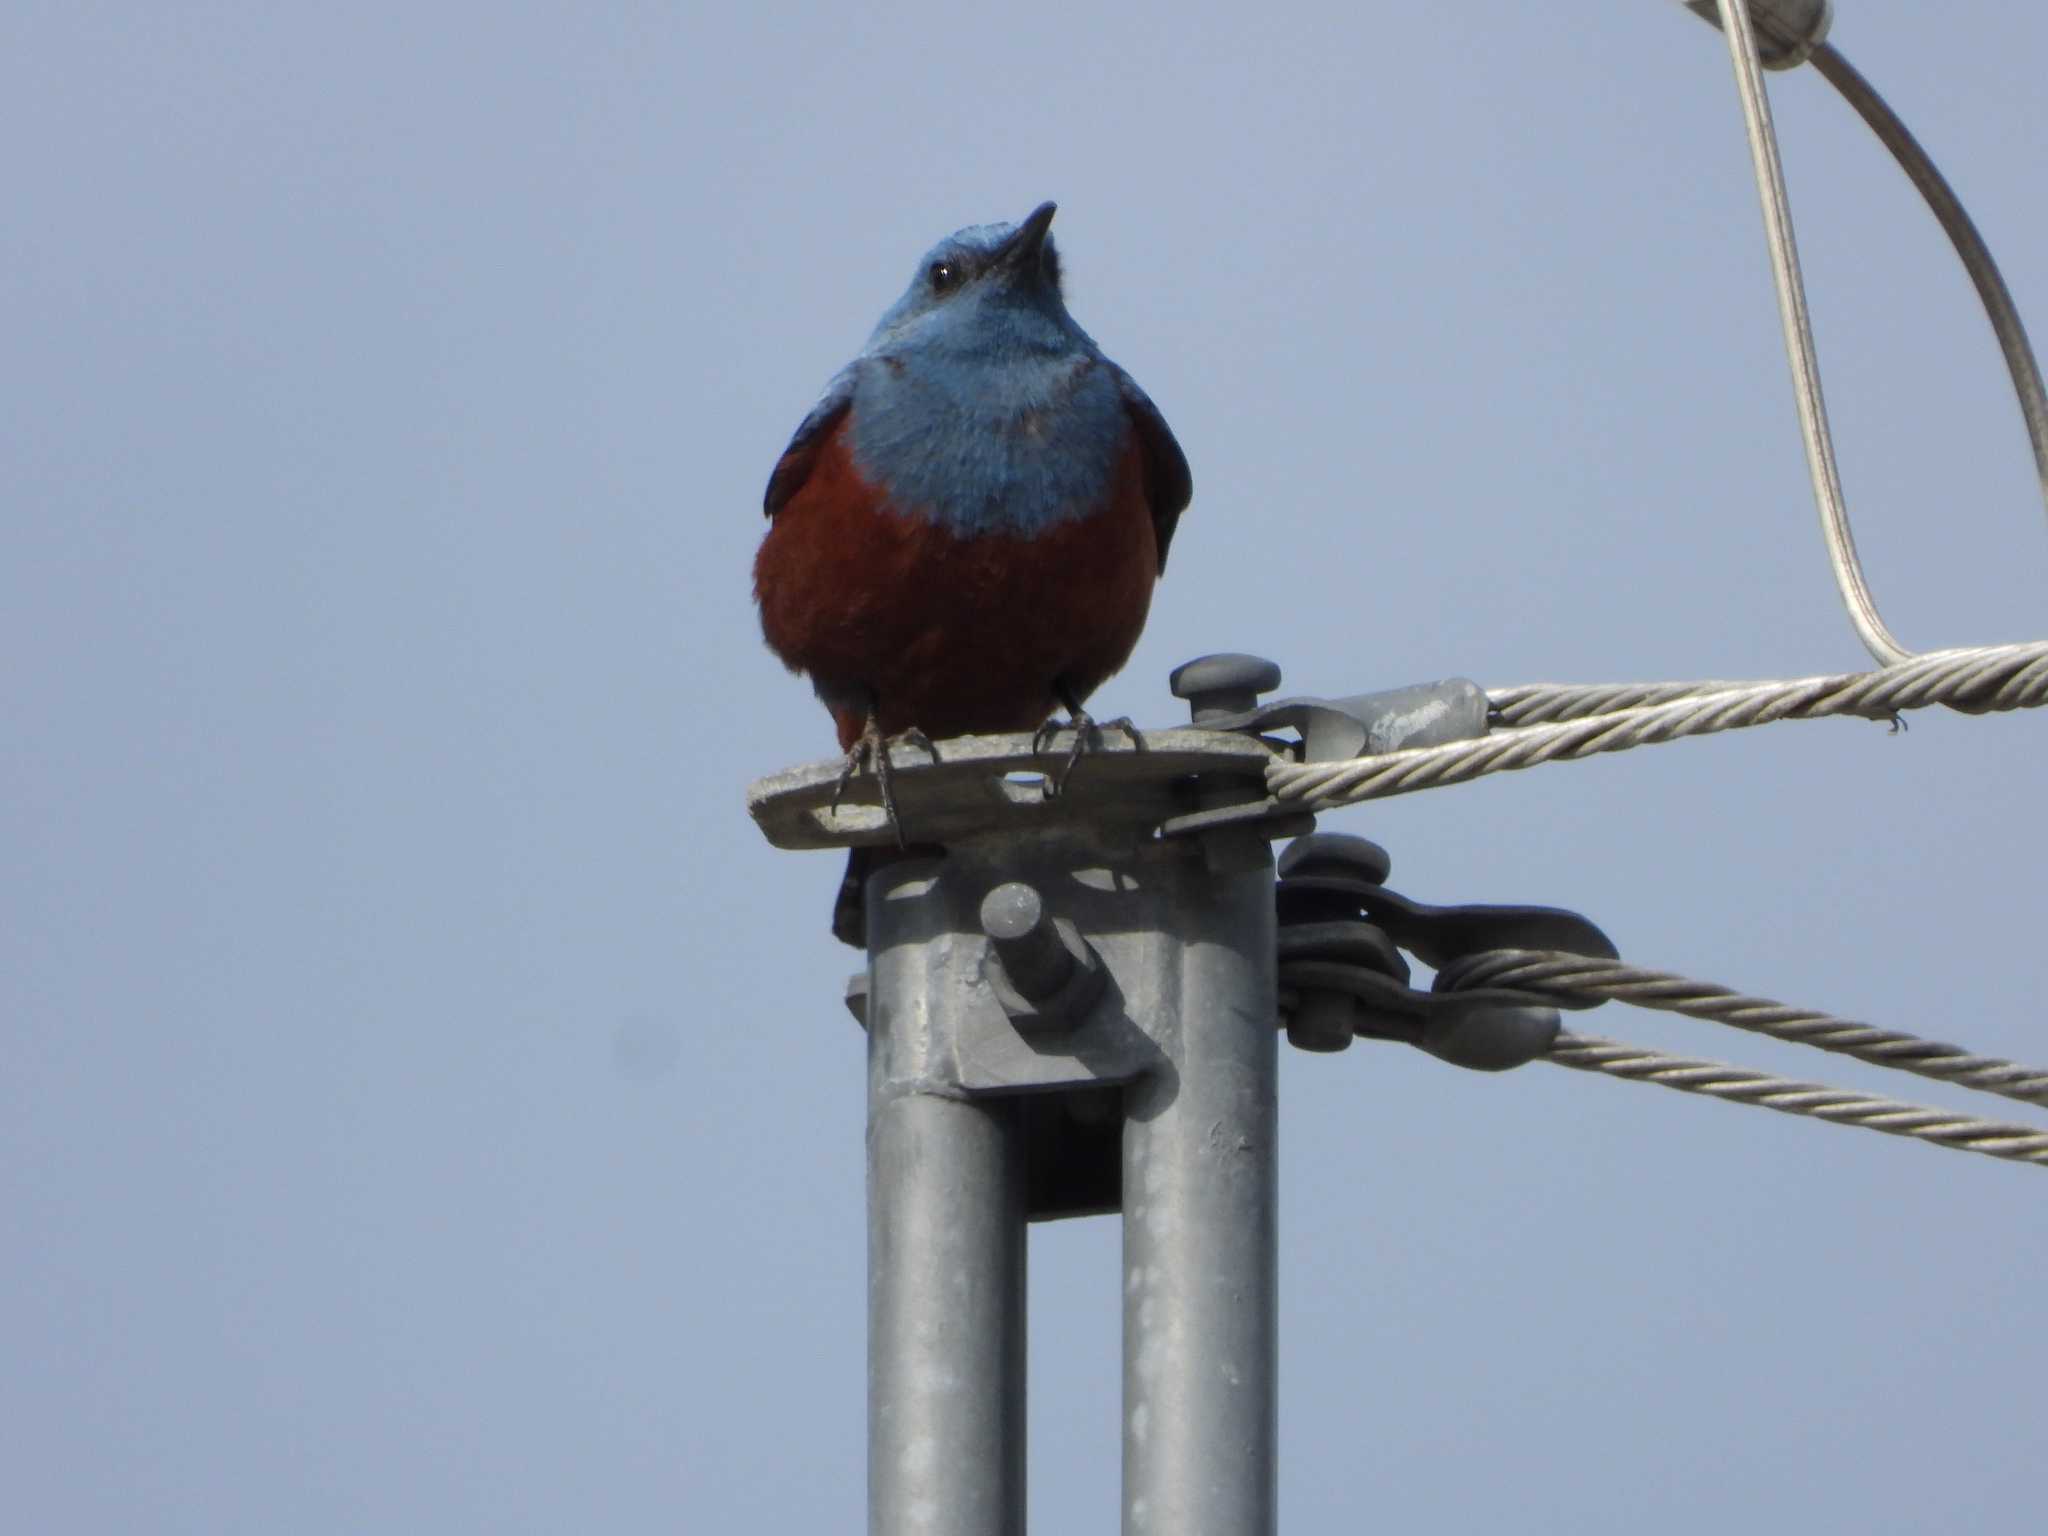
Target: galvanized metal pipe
(946,1228)
(1178,934)
(1199,1190)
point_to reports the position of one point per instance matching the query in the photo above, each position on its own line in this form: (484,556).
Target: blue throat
(990,447)
(986,408)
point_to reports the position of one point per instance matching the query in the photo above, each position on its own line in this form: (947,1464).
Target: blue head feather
(978,401)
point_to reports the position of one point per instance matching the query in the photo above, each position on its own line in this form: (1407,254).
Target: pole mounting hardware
(1342,975)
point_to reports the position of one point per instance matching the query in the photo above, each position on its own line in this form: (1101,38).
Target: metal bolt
(1033,956)
(1323,1021)
(1224,684)
(1337,853)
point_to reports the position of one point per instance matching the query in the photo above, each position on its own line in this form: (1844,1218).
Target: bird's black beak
(1020,252)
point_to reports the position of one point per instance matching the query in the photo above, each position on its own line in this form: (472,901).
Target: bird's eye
(944,275)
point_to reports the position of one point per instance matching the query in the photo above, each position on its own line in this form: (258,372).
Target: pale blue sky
(425,1102)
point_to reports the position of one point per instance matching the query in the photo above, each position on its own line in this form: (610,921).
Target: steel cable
(1981,679)
(1716,1079)
(1552,976)
(1798,329)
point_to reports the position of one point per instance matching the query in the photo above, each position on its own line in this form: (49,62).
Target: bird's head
(989,286)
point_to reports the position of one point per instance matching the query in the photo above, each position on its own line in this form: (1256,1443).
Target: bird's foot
(873,747)
(1087,734)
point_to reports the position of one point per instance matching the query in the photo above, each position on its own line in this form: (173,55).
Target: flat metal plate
(984,784)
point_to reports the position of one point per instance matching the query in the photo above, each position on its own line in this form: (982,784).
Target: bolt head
(1011,911)
(1323,1021)
(1226,683)
(1337,853)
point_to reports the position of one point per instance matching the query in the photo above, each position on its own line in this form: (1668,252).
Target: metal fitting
(1330,1018)
(1227,683)
(1224,692)
(1787,31)
(1043,972)
(1340,935)
(1490,1037)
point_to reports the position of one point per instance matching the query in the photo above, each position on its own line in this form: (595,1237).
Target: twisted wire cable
(1553,976)
(1979,679)
(1541,703)
(1691,1074)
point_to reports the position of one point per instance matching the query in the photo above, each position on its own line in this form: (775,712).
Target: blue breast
(1000,444)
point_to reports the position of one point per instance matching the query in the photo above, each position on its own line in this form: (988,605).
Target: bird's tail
(849,907)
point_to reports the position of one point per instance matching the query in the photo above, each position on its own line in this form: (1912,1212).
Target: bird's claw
(873,747)
(1087,733)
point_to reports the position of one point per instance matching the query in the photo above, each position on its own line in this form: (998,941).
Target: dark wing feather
(794,467)
(1168,485)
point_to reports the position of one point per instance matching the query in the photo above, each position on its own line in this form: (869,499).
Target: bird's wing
(794,467)
(1168,485)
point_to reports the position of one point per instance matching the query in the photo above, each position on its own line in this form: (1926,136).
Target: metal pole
(945,1319)
(946,1283)
(1199,1189)
(1022,989)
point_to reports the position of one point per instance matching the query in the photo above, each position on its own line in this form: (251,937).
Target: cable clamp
(1342,974)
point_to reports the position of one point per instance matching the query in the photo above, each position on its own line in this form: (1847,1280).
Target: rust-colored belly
(950,635)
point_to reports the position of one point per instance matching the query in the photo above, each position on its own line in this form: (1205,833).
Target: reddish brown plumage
(953,636)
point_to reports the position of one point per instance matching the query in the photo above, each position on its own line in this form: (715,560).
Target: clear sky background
(425,1101)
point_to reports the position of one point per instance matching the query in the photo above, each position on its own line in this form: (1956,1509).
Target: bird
(965,530)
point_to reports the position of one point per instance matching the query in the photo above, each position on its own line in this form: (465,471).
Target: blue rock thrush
(966,528)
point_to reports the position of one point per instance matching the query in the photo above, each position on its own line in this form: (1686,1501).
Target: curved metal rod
(1962,234)
(1813,418)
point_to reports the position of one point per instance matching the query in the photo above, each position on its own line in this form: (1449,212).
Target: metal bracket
(1366,724)
(1341,973)
(989,785)
(1178,781)
(1037,995)
(1223,690)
